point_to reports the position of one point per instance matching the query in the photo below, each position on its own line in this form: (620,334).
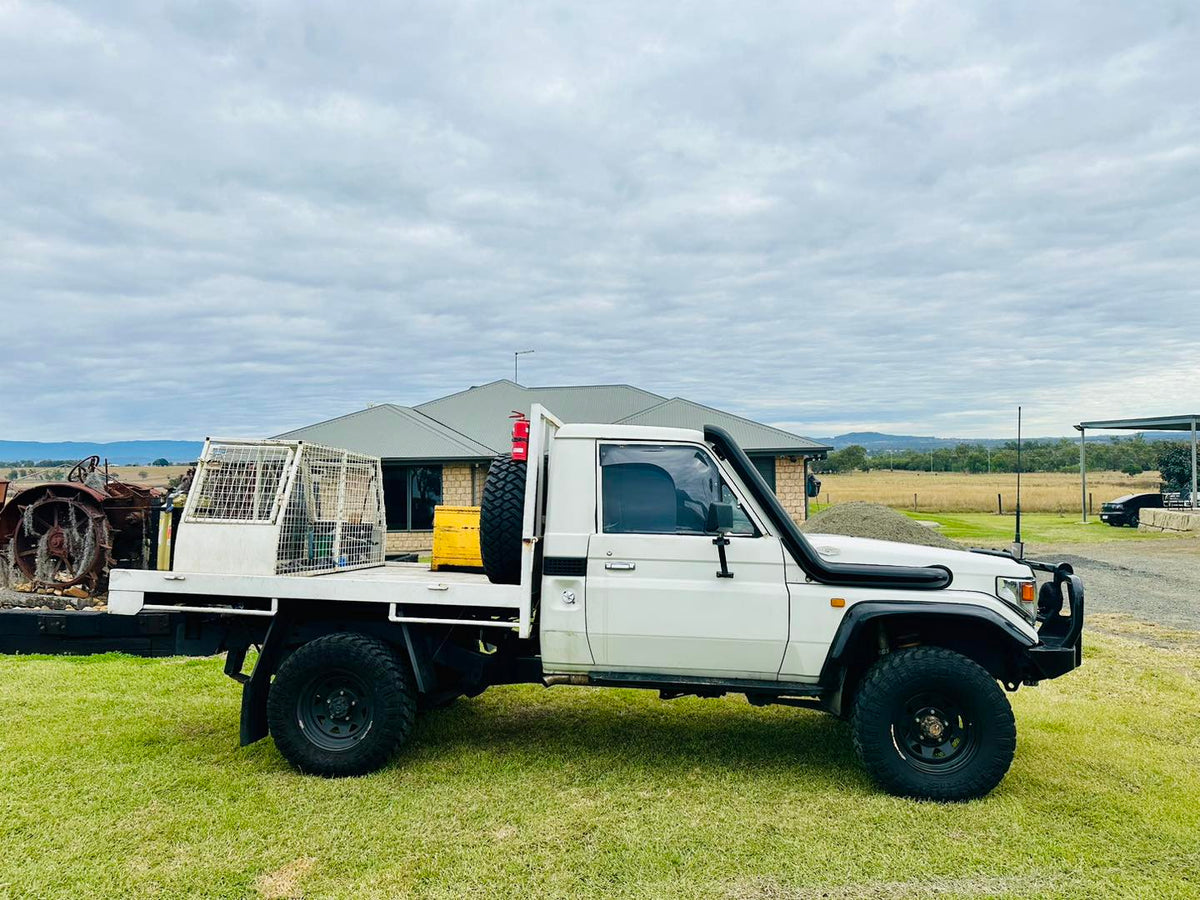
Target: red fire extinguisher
(520,436)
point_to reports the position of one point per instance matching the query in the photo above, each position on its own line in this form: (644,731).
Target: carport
(1158,423)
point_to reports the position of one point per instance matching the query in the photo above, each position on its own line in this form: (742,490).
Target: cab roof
(629,433)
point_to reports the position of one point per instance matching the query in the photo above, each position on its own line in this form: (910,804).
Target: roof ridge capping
(809,442)
(283,436)
(450,432)
(474,387)
(412,417)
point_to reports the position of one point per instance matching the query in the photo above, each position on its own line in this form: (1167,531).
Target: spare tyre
(501,519)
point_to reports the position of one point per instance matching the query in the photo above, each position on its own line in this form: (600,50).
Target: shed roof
(392,432)
(1154,423)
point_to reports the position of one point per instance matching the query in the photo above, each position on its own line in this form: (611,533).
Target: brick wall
(409,541)
(456,486)
(457,490)
(789,485)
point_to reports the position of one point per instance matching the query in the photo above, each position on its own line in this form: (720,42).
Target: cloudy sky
(224,218)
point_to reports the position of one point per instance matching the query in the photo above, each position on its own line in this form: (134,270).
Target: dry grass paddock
(960,492)
(155,476)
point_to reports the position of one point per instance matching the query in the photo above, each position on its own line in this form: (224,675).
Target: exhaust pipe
(551,680)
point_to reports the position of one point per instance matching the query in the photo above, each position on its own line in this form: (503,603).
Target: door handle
(621,566)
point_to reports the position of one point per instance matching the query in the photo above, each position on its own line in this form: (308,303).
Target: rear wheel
(932,724)
(341,705)
(501,519)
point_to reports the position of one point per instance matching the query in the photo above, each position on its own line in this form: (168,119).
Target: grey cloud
(236,218)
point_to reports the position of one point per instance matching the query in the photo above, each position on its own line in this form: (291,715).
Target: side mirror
(720,518)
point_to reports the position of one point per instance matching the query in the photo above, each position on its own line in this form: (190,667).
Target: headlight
(1020,593)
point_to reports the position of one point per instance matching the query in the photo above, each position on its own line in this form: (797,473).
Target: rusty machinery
(72,533)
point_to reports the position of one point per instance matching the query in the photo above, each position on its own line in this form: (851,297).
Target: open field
(156,476)
(991,530)
(960,492)
(122,778)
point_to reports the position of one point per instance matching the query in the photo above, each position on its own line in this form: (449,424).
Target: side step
(669,687)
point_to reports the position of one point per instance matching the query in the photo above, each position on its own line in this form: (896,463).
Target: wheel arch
(291,628)
(874,627)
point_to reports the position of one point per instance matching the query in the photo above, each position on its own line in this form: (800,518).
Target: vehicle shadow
(635,728)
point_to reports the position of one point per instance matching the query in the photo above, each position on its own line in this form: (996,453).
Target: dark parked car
(1124,510)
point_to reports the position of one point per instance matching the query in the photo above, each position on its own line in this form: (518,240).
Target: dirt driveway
(1157,581)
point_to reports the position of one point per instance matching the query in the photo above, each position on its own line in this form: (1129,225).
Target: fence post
(1089,503)
(914,501)
(999,505)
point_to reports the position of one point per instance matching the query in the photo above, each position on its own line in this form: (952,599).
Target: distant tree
(848,459)
(143,474)
(161,461)
(1175,465)
(13,475)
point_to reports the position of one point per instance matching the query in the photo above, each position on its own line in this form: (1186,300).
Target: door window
(662,489)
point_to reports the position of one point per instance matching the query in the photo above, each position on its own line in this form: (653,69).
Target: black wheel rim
(334,710)
(935,733)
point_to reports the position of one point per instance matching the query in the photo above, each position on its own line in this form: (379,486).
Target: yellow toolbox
(456,537)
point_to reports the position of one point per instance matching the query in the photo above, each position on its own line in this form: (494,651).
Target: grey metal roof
(392,432)
(474,424)
(1154,423)
(753,437)
(482,412)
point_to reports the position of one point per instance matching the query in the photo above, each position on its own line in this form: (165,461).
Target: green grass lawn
(122,777)
(1036,528)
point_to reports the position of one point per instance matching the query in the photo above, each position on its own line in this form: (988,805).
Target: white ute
(617,556)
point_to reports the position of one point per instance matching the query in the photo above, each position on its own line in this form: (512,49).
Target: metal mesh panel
(240,483)
(334,515)
(325,503)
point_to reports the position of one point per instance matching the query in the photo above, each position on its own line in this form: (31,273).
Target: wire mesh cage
(322,508)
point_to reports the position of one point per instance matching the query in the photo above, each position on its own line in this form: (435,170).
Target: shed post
(804,482)
(1083,471)
(1193,463)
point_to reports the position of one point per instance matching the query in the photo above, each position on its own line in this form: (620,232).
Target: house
(439,452)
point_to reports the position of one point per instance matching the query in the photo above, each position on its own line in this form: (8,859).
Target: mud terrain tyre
(501,519)
(341,705)
(931,724)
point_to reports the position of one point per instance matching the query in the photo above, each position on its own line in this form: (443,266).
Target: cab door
(657,602)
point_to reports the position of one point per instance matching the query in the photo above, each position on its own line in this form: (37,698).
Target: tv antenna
(517,354)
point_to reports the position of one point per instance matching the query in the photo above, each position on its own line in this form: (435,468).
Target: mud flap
(256,688)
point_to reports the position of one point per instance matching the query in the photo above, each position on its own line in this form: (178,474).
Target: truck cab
(642,557)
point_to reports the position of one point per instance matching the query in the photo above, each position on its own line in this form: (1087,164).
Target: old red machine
(71,533)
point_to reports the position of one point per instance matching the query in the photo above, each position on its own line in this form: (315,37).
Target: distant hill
(118,453)
(878,442)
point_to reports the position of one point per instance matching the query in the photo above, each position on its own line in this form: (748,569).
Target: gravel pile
(871,520)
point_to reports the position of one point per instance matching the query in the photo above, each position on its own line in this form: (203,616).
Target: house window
(766,468)
(410,494)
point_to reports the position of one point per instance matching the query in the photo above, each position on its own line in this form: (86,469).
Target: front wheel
(341,705)
(932,724)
